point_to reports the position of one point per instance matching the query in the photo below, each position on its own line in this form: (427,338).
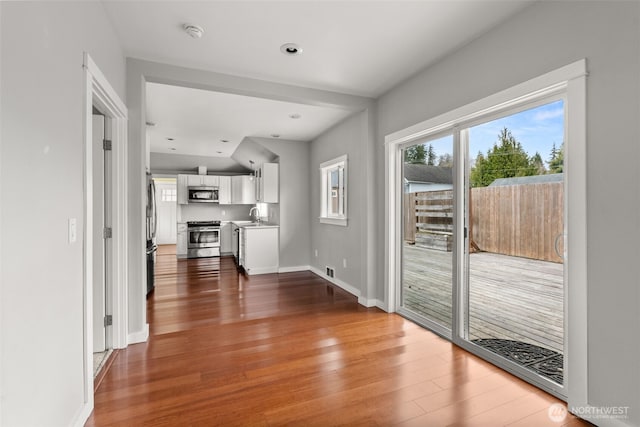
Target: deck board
(510,297)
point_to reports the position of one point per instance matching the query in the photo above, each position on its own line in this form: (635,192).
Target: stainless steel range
(203,239)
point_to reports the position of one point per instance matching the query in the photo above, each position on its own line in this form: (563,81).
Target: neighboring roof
(535,179)
(427,174)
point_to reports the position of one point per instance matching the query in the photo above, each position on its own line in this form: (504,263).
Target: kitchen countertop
(251,224)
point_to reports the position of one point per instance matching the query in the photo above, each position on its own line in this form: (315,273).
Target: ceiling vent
(290,49)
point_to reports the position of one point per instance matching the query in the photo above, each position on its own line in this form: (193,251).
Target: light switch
(73,235)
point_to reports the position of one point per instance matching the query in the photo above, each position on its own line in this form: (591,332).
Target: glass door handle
(555,246)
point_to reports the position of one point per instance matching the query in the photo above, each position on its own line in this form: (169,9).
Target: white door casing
(99,335)
(100,94)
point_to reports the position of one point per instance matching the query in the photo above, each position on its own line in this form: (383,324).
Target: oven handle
(201,229)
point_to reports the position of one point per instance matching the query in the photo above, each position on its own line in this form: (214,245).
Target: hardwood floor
(292,349)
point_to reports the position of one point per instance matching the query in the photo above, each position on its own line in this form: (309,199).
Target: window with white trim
(168,195)
(333,191)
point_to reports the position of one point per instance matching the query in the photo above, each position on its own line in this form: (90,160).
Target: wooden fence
(517,220)
(431,213)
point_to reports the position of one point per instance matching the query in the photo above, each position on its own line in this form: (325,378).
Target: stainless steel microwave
(203,194)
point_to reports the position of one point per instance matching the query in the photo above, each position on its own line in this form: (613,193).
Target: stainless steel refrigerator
(152,219)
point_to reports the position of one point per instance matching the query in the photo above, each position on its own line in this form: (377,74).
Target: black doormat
(543,361)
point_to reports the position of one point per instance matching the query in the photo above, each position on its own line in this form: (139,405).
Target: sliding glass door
(514,304)
(428,233)
(483,238)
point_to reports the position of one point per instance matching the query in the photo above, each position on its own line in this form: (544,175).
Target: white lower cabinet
(259,249)
(181,241)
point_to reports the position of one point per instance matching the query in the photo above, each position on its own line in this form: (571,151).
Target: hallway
(292,349)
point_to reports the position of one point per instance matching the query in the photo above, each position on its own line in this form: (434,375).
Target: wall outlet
(316,252)
(223,213)
(344,262)
(330,271)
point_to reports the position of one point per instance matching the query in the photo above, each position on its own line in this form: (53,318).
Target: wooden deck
(510,297)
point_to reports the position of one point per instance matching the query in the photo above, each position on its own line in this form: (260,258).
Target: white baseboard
(294,269)
(382,306)
(140,336)
(262,270)
(345,286)
(84,414)
(371,303)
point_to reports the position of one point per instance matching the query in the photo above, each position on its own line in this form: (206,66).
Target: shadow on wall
(249,150)
(239,162)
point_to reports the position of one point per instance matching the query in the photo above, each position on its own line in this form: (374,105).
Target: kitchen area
(223,215)
(233,177)
(220,215)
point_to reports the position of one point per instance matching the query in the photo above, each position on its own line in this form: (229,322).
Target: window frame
(326,214)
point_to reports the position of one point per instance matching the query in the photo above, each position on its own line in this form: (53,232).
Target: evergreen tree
(506,159)
(431,156)
(538,164)
(415,154)
(556,161)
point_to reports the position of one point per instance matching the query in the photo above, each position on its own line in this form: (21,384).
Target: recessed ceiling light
(295,116)
(275,135)
(172,148)
(224,140)
(170,139)
(193,30)
(290,49)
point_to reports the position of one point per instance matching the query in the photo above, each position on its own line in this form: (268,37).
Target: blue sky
(536,129)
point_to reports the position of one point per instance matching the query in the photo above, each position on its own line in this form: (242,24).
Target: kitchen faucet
(257,213)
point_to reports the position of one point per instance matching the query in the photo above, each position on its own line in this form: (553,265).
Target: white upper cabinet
(203,181)
(267,183)
(210,181)
(224,190)
(243,190)
(183,192)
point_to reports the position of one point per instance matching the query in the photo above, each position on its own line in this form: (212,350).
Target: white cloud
(548,114)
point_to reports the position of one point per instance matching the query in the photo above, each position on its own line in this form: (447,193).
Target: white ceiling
(355,47)
(198,120)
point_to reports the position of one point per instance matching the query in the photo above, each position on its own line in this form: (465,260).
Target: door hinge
(108,320)
(106,145)
(466,233)
(107,232)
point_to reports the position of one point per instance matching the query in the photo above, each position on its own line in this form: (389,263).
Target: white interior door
(166,205)
(99,267)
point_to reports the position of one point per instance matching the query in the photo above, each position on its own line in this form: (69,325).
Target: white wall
(292,213)
(544,37)
(41,187)
(335,243)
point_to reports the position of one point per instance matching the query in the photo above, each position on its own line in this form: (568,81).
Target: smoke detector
(193,30)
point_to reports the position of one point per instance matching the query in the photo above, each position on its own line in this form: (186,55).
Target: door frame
(570,80)
(99,93)
(416,317)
